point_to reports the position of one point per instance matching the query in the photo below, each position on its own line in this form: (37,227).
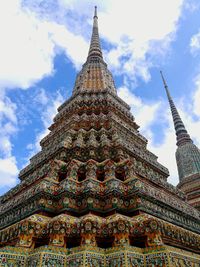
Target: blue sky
(44,43)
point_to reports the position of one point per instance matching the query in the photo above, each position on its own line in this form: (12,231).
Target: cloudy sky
(45,42)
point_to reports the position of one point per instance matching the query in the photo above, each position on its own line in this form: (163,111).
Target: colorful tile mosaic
(95,195)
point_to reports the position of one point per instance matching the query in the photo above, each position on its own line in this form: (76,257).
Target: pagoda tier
(95,195)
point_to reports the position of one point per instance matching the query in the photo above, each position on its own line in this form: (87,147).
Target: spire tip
(161,73)
(163,79)
(95,11)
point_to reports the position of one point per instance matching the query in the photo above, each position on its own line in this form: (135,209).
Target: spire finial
(95,47)
(163,79)
(95,11)
(181,133)
(165,85)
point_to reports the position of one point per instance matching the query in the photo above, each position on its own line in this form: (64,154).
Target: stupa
(187,156)
(95,195)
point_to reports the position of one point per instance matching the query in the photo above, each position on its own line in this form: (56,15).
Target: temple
(95,195)
(187,157)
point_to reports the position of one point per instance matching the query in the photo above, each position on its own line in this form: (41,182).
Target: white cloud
(8,125)
(33,33)
(129,97)
(41,97)
(165,150)
(195,43)
(192,5)
(47,114)
(145,113)
(138,30)
(29,44)
(8,171)
(7,109)
(142,20)
(196,97)
(70,44)
(25,50)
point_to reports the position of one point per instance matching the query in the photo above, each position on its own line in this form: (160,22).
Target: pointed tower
(94,75)
(187,157)
(95,195)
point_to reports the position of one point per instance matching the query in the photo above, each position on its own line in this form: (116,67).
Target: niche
(138,241)
(72,242)
(105,242)
(98,138)
(100,176)
(96,112)
(39,242)
(81,175)
(62,176)
(120,174)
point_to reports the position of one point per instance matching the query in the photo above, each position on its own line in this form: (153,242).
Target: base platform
(87,256)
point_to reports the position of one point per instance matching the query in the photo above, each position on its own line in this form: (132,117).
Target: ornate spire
(95,46)
(94,76)
(182,136)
